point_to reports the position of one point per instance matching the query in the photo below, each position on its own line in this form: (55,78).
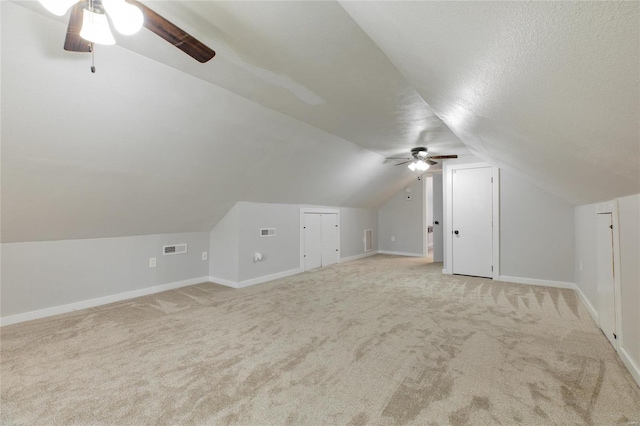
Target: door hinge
(491,268)
(611,226)
(614,336)
(491,180)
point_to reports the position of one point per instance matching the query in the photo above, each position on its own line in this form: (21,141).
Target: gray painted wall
(403,220)
(40,275)
(629,224)
(536,232)
(223,245)
(236,239)
(353,222)
(279,253)
(536,229)
(586,255)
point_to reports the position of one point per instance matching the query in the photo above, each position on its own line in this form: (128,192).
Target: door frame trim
(317,210)
(447,170)
(611,207)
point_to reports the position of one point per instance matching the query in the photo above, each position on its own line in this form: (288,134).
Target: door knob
(456,232)
(436,223)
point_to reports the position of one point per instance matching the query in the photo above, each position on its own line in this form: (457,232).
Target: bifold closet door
(312,241)
(320,240)
(329,239)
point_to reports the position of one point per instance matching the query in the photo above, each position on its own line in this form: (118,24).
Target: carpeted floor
(383,340)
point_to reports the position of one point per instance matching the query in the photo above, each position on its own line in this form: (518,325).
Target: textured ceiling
(299,102)
(549,90)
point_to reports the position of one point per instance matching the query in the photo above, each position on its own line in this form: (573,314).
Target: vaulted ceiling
(301,105)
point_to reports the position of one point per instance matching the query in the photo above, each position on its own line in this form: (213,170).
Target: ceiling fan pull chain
(93,57)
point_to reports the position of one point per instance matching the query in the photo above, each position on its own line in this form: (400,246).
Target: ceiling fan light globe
(127,19)
(412,167)
(421,165)
(57,7)
(95,28)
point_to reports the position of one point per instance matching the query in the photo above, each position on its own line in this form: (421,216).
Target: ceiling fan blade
(73,42)
(174,35)
(405,162)
(398,158)
(442,157)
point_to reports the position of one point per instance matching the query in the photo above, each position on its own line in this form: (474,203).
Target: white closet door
(312,241)
(329,239)
(472,222)
(606,289)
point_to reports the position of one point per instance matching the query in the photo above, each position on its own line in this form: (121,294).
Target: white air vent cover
(174,249)
(268,232)
(368,240)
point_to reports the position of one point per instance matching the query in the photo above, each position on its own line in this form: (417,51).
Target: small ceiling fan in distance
(91,20)
(420,159)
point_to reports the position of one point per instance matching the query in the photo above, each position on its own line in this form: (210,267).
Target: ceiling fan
(420,159)
(90,19)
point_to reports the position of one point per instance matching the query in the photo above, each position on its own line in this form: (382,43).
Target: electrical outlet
(152,262)
(205,256)
(393,239)
(257,257)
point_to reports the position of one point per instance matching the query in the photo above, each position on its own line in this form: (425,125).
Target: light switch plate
(152,262)
(205,255)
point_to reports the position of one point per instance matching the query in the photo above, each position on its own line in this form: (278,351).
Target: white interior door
(606,288)
(438,224)
(312,241)
(329,239)
(472,221)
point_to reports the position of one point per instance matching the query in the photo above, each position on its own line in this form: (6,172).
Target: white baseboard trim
(401,253)
(533,281)
(266,278)
(63,309)
(224,282)
(359,256)
(588,305)
(631,366)
(254,281)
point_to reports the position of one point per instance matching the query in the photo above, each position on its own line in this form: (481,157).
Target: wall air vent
(268,232)
(368,240)
(174,249)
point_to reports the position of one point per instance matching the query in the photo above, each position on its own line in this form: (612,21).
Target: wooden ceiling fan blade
(405,162)
(73,42)
(174,35)
(442,157)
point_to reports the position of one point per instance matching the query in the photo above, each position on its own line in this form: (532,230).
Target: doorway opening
(433,218)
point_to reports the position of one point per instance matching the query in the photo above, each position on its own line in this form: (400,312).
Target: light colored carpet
(383,340)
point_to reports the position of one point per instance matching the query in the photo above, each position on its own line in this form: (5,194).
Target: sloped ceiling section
(548,90)
(142,148)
